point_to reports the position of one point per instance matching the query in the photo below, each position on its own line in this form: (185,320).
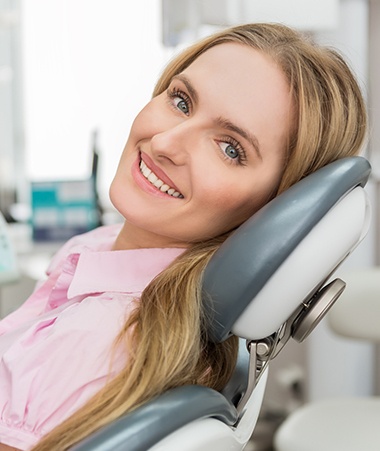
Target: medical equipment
(8,267)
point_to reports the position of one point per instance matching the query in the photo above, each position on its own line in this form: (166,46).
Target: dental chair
(270,281)
(349,423)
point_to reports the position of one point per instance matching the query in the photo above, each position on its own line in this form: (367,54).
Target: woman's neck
(131,237)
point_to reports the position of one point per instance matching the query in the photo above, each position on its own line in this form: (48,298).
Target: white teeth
(152,178)
(158,183)
(145,171)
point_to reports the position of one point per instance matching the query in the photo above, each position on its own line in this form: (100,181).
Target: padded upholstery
(346,424)
(160,417)
(357,315)
(249,257)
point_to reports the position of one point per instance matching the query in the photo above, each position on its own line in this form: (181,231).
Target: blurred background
(73,75)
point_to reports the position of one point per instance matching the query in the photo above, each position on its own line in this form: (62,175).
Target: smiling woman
(234,120)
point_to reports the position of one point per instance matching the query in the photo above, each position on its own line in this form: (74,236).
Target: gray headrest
(249,257)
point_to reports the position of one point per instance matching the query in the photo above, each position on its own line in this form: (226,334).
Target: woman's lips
(157,182)
(151,182)
(157,171)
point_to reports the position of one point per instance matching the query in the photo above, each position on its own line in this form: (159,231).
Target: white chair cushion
(343,424)
(357,314)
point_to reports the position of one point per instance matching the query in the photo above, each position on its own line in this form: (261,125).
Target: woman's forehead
(244,85)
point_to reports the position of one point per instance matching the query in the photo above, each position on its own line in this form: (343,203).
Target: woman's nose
(173,144)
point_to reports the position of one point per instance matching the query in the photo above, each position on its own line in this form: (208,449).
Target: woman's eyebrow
(192,91)
(220,121)
(228,125)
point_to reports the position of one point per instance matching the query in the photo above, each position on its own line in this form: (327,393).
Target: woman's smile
(152,180)
(165,186)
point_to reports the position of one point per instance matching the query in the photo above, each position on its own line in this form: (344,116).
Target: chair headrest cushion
(253,252)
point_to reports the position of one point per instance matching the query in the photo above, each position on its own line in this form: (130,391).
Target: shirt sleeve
(56,365)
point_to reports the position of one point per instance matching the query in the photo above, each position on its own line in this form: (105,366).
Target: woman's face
(207,153)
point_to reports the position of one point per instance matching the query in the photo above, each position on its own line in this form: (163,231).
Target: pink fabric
(55,349)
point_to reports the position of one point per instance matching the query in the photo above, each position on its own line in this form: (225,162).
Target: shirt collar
(128,271)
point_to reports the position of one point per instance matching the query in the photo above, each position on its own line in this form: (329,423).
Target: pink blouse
(55,349)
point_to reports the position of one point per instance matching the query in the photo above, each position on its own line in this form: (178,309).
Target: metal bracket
(299,325)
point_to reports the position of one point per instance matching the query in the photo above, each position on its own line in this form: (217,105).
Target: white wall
(87,64)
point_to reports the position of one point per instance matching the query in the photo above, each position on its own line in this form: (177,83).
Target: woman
(234,120)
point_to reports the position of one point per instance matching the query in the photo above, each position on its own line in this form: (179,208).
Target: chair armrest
(147,425)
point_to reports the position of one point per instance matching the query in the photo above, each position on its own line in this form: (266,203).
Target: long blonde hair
(169,345)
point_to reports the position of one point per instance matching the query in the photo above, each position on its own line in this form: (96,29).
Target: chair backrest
(357,315)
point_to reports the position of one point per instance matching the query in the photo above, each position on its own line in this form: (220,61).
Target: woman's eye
(230,150)
(233,152)
(181,104)
(179,100)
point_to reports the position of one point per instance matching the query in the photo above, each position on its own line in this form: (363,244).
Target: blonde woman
(234,120)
